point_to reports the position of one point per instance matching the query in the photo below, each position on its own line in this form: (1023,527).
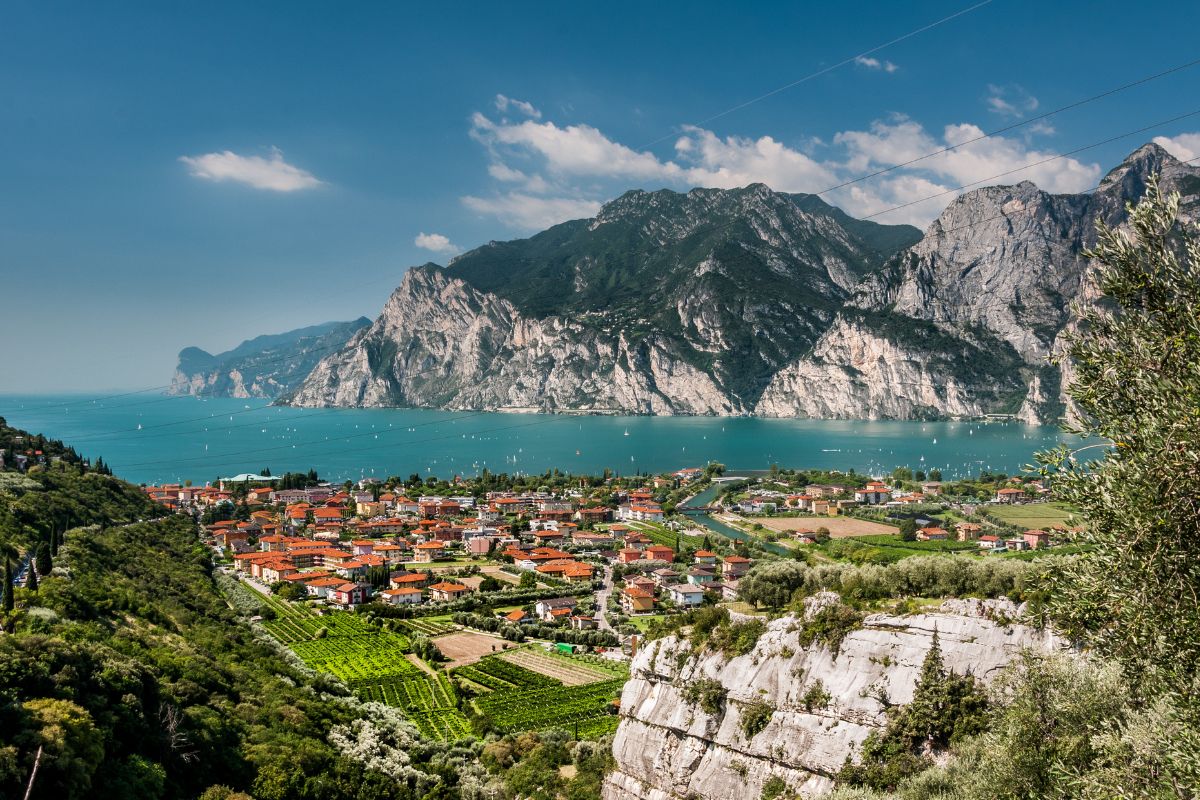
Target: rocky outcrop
(665,303)
(441,342)
(822,705)
(748,301)
(265,366)
(966,321)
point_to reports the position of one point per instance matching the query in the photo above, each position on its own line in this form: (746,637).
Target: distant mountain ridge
(750,301)
(265,366)
(663,303)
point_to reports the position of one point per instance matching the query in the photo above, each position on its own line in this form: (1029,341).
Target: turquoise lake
(149,438)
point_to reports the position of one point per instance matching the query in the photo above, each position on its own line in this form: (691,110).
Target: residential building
(545,608)
(685,595)
(402,597)
(447,590)
(636,601)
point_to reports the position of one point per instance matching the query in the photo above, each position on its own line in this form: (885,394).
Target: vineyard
(527,688)
(429,627)
(550,706)
(534,689)
(665,537)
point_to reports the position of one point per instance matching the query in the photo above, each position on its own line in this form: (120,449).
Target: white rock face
(668,749)
(768,316)
(967,320)
(440,342)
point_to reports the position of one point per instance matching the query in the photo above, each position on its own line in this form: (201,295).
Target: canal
(728,531)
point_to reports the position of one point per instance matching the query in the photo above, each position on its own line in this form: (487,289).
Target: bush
(708,693)
(755,717)
(830,625)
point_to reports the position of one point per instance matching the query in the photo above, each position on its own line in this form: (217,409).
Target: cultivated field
(1032,515)
(839,527)
(567,671)
(468,647)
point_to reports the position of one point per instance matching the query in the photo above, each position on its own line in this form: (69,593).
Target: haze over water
(199,439)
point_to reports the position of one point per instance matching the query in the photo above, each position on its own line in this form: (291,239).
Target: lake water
(150,438)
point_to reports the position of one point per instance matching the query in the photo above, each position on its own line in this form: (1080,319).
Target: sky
(177,174)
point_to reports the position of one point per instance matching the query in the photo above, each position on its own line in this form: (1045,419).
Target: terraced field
(526,688)
(566,670)
(429,627)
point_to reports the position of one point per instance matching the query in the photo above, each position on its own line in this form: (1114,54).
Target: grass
(642,622)
(1033,515)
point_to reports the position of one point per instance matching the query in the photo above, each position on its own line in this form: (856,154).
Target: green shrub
(755,717)
(830,625)
(708,693)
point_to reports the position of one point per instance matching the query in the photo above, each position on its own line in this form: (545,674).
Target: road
(602,602)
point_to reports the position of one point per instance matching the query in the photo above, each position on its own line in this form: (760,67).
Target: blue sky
(182,174)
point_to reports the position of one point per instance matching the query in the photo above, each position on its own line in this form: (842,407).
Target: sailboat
(627,431)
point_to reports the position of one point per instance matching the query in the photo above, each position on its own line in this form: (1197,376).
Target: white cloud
(435,242)
(570,150)
(271,173)
(503,104)
(566,171)
(1185,146)
(734,161)
(1010,101)
(529,212)
(875,63)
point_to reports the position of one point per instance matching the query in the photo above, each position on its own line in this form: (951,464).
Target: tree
(908,530)
(31,579)
(8,554)
(43,562)
(68,736)
(1137,384)
(935,474)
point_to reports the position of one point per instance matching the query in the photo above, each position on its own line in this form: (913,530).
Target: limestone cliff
(668,748)
(265,366)
(966,321)
(748,301)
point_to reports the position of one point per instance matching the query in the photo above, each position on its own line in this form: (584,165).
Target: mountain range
(265,366)
(748,301)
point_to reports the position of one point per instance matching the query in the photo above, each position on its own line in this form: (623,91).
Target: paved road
(602,602)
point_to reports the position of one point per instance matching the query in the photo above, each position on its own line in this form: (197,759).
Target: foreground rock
(824,705)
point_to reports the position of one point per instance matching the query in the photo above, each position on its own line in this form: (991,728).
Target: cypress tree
(9,600)
(43,561)
(31,581)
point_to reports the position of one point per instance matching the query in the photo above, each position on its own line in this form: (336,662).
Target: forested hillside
(124,673)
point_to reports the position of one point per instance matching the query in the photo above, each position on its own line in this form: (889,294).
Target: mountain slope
(663,303)
(264,366)
(751,301)
(965,321)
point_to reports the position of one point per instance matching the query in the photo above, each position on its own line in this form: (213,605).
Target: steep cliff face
(966,321)
(750,301)
(665,303)
(823,705)
(265,366)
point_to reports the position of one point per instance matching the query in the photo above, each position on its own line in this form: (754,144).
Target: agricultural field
(1033,515)
(532,689)
(429,627)
(466,647)
(549,707)
(838,527)
(569,670)
(924,548)
(664,536)
(525,688)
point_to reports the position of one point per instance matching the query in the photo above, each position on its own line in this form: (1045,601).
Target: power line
(1030,165)
(1014,126)
(826,70)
